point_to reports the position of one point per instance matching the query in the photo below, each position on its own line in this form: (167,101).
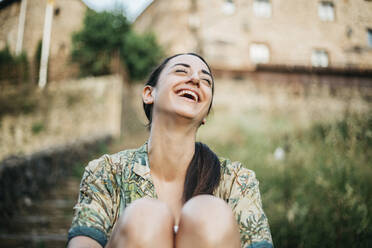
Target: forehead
(191,60)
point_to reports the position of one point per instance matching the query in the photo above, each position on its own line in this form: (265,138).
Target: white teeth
(182,92)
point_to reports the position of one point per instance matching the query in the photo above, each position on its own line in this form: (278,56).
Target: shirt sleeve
(243,196)
(94,213)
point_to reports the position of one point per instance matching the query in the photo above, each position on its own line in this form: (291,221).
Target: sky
(132,7)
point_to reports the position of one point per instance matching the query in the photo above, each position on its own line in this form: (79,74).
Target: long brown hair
(203,174)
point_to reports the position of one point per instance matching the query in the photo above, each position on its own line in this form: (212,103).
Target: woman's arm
(83,242)
(240,188)
(253,223)
(96,209)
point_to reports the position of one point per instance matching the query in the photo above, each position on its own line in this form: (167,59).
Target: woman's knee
(210,219)
(147,221)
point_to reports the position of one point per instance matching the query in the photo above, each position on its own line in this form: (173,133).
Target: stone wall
(68,18)
(69,112)
(9,25)
(291,33)
(24,178)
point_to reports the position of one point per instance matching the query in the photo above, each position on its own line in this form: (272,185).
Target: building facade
(67,18)
(243,35)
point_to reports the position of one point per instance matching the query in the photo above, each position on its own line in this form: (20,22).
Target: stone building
(67,17)
(275,35)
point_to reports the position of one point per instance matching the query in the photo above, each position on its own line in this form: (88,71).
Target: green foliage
(141,54)
(37,127)
(37,59)
(320,194)
(94,45)
(19,101)
(14,69)
(77,170)
(105,35)
(329,201)
(5,56)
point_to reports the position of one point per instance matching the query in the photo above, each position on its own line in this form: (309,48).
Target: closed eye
(181,70)
(207,80)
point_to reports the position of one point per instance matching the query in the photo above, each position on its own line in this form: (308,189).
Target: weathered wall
(169,20)
(67,18)
(24,178)
(9,26)
(292,32)
(71,111)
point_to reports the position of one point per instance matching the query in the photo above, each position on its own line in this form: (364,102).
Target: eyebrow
(188,66)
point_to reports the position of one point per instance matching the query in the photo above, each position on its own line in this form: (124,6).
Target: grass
(320,192)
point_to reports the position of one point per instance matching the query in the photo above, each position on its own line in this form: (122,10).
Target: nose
(195,78)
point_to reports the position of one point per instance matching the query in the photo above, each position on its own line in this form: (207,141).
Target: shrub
(141,54)
(94,45)
(37,59)
(321,195)
(106,34)
(37,128)
(14,69)
(21,100)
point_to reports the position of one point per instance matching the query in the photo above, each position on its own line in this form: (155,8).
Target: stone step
(44,222)
(31,240)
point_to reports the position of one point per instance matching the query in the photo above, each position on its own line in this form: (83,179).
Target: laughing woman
(172,191)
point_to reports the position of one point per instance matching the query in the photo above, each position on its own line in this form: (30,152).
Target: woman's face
(184,88)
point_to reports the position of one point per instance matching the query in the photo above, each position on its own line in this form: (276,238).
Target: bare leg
(207,221)
(146,223)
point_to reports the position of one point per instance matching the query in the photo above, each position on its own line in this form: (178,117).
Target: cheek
(209,94)
(162,93)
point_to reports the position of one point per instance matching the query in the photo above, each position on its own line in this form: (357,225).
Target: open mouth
(188,94)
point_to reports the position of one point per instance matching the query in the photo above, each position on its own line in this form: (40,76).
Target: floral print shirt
(112,182)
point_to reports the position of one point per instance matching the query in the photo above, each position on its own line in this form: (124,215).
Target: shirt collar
(141,165)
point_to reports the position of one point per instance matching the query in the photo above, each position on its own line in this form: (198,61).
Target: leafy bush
(320,194)
(94,45)
(37,128)
(105,34)
(37,59)
(14,69)
(140,53)
(21,100)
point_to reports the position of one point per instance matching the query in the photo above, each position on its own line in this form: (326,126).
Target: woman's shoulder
(236,179)
(111,163)
(234,168)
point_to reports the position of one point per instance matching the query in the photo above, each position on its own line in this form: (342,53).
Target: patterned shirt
(112,182)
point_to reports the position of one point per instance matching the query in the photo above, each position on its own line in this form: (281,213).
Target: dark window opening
(57,11)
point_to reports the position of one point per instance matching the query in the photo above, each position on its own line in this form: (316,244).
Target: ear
(147,94)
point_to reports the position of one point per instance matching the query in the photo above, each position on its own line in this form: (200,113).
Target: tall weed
(320,193)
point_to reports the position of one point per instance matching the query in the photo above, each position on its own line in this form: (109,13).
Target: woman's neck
(171,148)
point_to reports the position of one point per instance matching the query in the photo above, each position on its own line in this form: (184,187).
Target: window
(369,37)
(259,53)
(57,11)
(228,7)
(262,8)
(326,11)
(319,58)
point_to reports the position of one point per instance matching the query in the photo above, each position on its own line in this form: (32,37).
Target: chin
(186,113)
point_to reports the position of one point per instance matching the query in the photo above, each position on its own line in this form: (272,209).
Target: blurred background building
(21,29)
(238,34)
(241,35)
